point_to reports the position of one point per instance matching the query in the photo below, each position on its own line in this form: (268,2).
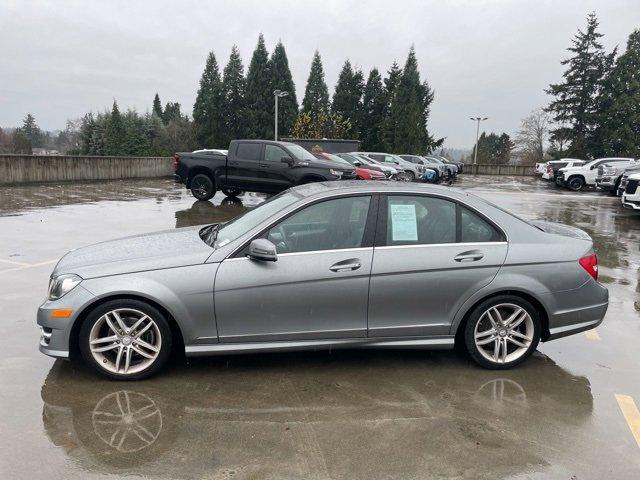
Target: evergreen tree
(576,102)
(116,134)
(347,98)
(171,112)
(281,79)
(259,95)
(31,130)
(493,149)
(620,120)
(208,108)
(233,88)
(373,113)
(316,94)
(157,106)
(409,111)
(391,83)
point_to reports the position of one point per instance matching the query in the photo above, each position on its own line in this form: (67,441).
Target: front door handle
(346,265)
(264,164)
(470,256)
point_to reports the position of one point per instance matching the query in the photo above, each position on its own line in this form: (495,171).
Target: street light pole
(477,119)
(277,94)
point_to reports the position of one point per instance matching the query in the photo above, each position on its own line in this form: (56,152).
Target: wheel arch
(193,171)
(311,177)
(177,335)
(540,308)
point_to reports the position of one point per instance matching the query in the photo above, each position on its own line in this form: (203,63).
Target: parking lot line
(28,265)
(13,262)
(631,414)
(592,334)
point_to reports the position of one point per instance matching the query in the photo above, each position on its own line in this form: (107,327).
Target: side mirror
(287,160)
(263,250)
(357,163)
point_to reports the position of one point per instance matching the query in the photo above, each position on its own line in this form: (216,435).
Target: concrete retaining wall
(59,168)
(482,169)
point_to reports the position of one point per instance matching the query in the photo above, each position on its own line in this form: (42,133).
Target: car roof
(363,186)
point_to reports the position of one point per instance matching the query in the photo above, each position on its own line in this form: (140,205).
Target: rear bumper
(631,201)
(560,181)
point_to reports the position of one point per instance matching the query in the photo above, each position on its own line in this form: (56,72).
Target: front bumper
(606,183)
(55,333)
(631,201)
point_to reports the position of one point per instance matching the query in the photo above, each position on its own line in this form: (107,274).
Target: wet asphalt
(339,415)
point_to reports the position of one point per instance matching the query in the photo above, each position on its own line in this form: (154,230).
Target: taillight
(176,161)
(590,264)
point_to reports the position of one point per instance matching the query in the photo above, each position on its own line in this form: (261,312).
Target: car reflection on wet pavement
(342,414)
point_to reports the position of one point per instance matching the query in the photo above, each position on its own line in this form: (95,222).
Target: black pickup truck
(254,166)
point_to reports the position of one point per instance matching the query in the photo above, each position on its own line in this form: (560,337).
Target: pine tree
(391,83)
(347,98)
(31,130)
(233,87)
(258,94)
(171,112)
(409,111)
(316,94)
(208,108)
(577,99)
(116,134)
(620,119)
(373,113)
(281,79)
(157,106)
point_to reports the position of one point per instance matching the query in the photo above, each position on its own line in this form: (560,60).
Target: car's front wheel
(502,332)
(576,183)
(125,339)
(202,187)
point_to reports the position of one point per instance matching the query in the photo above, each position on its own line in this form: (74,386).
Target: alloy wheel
(125,341)
(504,333)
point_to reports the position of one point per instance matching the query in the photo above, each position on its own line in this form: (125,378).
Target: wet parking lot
(567,413)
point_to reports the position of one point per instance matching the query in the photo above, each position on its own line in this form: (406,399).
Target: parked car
(631,169)
(299,272)
(610,175)
(254,166)
(540,168)
(212,151)
(631,194)
(438,170)
(553,167)
(361,172)
(411,171)
(576,178)
(452,169)
(361,161)
(459,165)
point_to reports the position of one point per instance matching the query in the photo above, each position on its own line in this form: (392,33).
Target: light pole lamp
(477,119)
(277,94)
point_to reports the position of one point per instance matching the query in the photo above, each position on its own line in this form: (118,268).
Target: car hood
(327,164)
(151,251)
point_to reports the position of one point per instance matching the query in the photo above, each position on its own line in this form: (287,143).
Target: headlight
(62,284)
(337,173)
(609,170)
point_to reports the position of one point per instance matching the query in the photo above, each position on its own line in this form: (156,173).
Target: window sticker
(404,225)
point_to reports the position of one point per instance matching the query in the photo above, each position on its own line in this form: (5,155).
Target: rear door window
(249,151)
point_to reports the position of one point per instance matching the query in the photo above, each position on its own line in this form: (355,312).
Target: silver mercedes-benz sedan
(327,265)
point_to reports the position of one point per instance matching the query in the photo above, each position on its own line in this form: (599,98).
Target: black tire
(231,192)
(202,187)
(475,317)
(614,192)
(411,177)
(148,310)
(576,183)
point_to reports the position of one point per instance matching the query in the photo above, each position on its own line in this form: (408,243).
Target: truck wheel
(231,192)
(575,183)
(202,187)
(614,192)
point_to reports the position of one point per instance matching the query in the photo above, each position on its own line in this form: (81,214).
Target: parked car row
(270,167)
(618,175)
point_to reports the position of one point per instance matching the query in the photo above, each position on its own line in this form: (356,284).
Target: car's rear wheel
(576,183)
(202,187)
(231,191)
(125,340)
(502,332)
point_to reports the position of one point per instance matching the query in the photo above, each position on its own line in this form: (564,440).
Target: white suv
(631,195)
(576,178)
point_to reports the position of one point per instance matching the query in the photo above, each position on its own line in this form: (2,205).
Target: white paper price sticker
(404,225)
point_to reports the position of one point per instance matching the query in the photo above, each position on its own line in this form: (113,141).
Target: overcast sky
(61,59)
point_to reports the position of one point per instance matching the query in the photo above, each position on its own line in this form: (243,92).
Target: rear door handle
(470,256)
(346,265)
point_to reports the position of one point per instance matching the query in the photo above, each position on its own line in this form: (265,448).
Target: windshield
(234,229)
(436,160)
(299,152)
(336,158)
(351,158)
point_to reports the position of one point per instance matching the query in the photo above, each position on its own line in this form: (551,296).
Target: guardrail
(15,169)
(486,169)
